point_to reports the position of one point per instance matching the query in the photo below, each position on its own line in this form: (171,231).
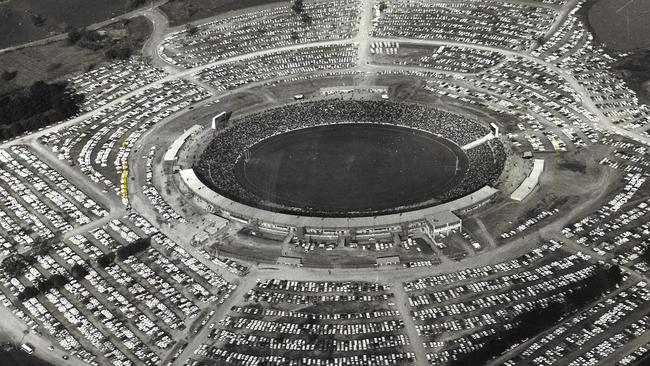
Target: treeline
(124,252)
(15,265)
(635,70)
(56,281)
(96,41)
(37,106)
(534,322)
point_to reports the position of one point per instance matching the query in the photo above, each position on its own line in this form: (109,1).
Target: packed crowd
(217,164)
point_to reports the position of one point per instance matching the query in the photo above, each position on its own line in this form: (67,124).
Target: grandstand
(476,167)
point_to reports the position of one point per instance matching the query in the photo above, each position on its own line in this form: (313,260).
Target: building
(215,224)
(531,181)
(434,219)
(201,238)
(441,223)
(494,129)
(387,260)
(171,155)
(290,261)
(220,120)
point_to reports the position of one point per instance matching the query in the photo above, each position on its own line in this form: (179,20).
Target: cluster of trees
(89,39)
(56,281)
(134,4)
(298,7)
(532,323)
(191,29)
(95,40)
(529,324)
(37,106)
(38,20)
(15,264)
(8,75)
(635,70)
(593,287)
(124,252)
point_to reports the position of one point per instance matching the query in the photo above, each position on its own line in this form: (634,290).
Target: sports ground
(351,168)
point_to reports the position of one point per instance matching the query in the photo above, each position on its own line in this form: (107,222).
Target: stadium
(350,158)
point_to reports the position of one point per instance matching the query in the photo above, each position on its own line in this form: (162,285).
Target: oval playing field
(351,168)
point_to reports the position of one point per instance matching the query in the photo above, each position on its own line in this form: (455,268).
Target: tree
(79,271)
(74,35)
(118,52)
(132,4)
(191,29)
(14,265)
(645,256)
(106,260)
(8,75)
(42,248)
(383,6)
(134,248)
(306,18)
(38,20)
(298,7)
(28,293)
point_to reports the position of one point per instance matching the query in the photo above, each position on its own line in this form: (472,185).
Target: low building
(290,261)
(531,181)
(333,228)
(171,155)
(442,222)
(387,260)
(201,238)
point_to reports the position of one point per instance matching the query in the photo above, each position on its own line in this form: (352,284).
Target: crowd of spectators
(216,167)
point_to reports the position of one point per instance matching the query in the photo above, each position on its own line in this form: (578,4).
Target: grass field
(182,11)
(18,17)
(622,25)
(58,60)
(49,62)
(351,168)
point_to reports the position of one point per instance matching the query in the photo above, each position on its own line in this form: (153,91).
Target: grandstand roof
(530,182)
(241,210)
(172,151)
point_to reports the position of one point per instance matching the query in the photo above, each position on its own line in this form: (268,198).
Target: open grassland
(28,20)
(182,11)
(58,60)
(621,25)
